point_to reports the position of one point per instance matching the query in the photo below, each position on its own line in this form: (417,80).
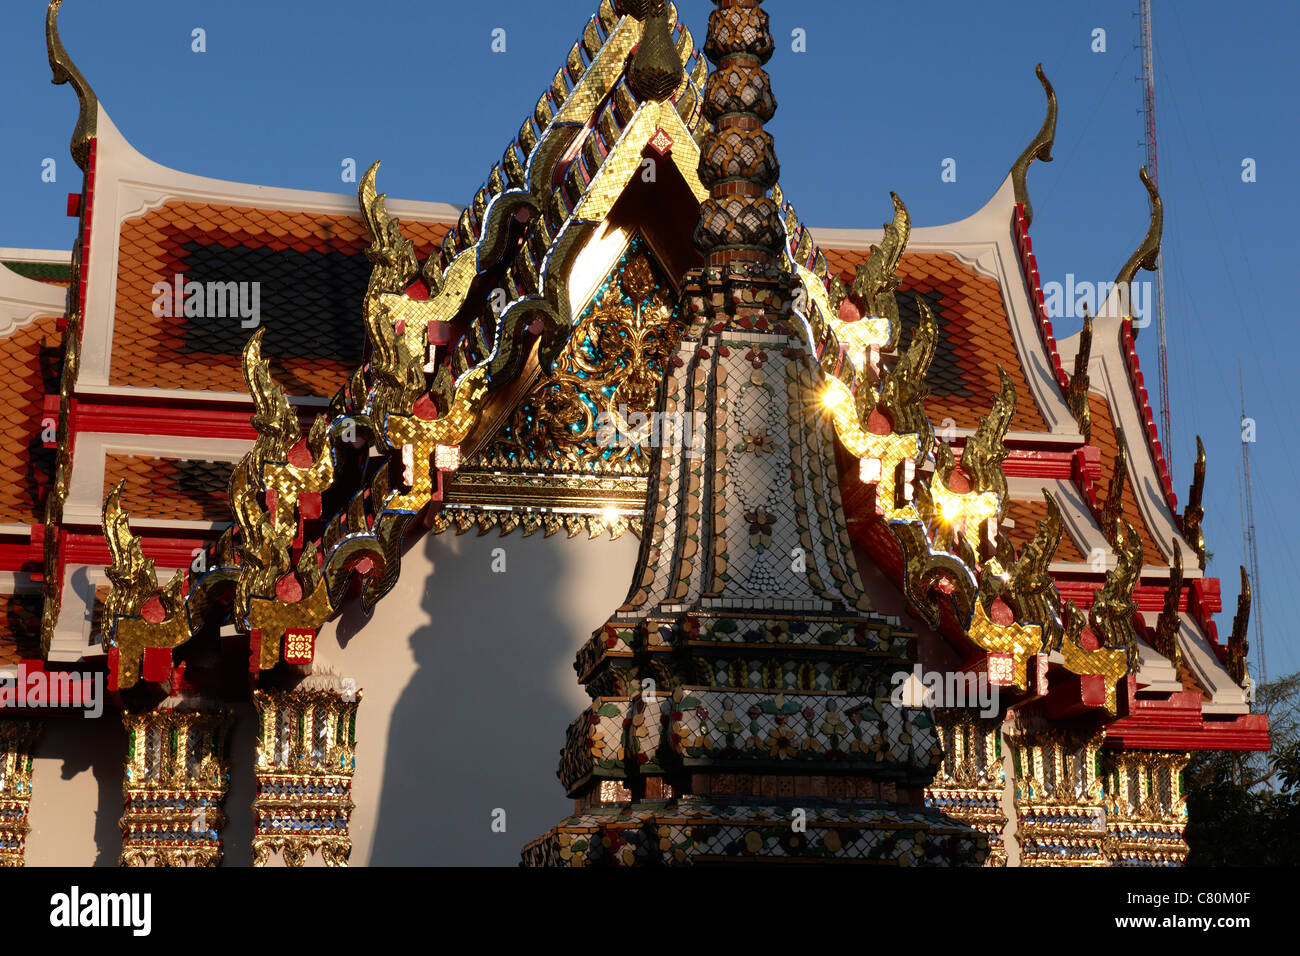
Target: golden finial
(656,69)
(63,70)
(1040,148)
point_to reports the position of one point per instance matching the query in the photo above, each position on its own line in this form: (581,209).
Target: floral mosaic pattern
(853,632)
(594,745)
(714,725)
(970,782)
(696,833)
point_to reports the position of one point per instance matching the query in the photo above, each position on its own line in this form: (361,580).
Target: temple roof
(311,271)
(31,314)
(52,266)
(567,179)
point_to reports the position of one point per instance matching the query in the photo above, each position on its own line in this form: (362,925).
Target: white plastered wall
(468,687)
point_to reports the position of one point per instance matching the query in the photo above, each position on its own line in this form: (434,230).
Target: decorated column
(970,785)
(17,749)
(1060,817)
(175,784)
(306,755)
(1146,808)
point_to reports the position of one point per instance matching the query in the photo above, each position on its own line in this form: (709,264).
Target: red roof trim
(1029,267)
(1148,419)
(88,211)
(189,420)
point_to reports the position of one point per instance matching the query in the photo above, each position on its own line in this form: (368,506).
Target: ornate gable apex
(558,181)
(575,155)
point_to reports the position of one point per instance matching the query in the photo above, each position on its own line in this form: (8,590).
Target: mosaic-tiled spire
(739,222)
(742,704)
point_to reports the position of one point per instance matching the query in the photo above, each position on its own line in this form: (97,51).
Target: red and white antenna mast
(1149,115)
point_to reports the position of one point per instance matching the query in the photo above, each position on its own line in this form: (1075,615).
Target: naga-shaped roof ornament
(1113,608)
(903,388)
(262,546)
(985,451)
(131,625)
(398,375)
(1194,512)
(1033,589)
(1040,148)
(1237,643)
(1146,256)
(1076,396)
(1111,663)
(65,71)
(1165,638)
(1025,580)
(877,279)
(132,575)
(1113,506)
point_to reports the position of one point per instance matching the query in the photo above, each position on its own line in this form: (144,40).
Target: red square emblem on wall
(299,645)
(1002,669)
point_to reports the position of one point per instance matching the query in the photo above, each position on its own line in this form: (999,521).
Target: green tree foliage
(1243,807)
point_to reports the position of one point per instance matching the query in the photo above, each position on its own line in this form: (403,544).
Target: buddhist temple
(612,515)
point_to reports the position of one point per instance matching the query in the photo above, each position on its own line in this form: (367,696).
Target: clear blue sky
(883,94)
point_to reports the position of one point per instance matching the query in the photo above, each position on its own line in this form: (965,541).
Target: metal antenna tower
(1248,535)
(1149,114)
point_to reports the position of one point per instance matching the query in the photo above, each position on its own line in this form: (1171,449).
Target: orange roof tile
(311,274)
(974,335)
(1106,439)
(1026,515)
(30,357)
(170,489)
(20,627)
